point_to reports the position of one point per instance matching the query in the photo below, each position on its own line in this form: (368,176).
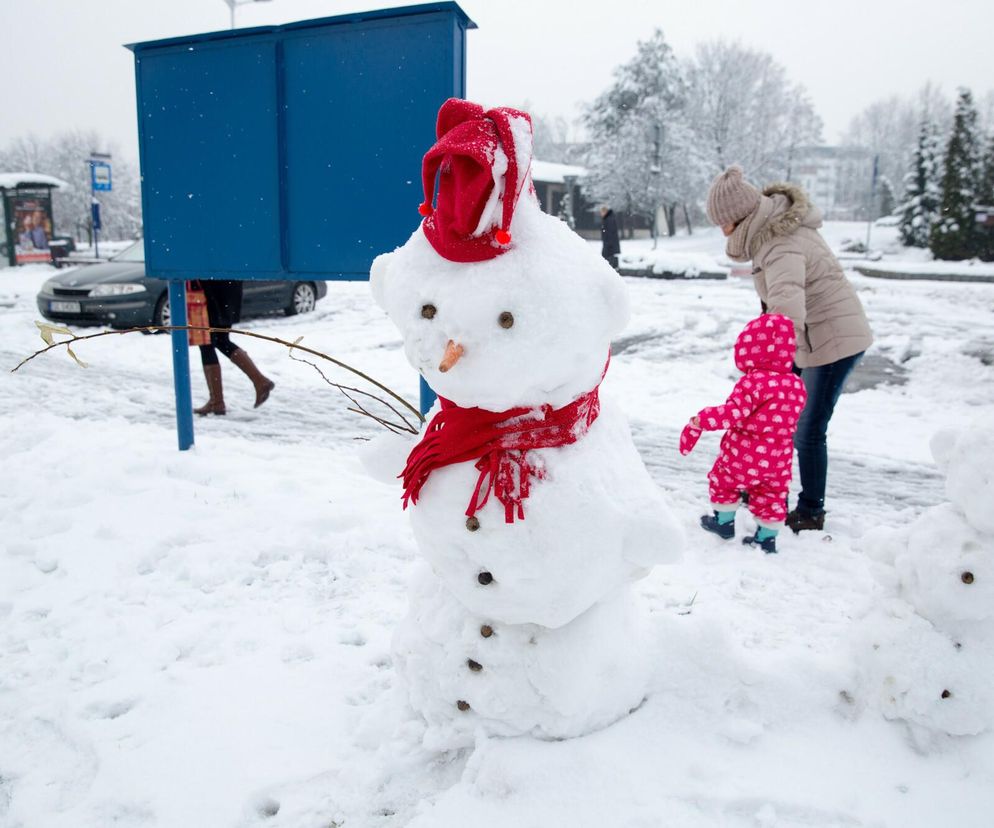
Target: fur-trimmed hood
(783,209)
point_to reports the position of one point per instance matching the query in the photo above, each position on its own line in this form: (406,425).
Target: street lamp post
(232,3)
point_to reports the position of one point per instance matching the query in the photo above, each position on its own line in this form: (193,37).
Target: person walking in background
(610,243)
(224,308)
(759,419)
(797,275)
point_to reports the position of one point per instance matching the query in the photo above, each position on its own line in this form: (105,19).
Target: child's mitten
(688,438)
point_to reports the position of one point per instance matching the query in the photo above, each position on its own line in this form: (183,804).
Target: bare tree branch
(48,330)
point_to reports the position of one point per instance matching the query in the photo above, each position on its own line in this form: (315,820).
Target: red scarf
(499,441)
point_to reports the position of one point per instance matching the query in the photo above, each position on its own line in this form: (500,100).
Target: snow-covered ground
(203,638)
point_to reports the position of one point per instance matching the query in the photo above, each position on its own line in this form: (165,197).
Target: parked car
(119,294)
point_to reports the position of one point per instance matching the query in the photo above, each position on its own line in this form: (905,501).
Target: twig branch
(293,346)
(345,389)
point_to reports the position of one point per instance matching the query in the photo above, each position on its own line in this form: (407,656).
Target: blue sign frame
(288,152)
(100,185)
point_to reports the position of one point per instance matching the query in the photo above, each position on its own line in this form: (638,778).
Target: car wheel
(302,300)
(161,315)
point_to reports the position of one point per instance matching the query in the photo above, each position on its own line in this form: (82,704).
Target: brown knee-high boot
(263,385)
(215,405)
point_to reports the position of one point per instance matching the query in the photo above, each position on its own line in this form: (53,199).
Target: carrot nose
(451,356)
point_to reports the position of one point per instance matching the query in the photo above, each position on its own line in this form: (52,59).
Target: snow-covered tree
(920,203)
(886,128)
(66,156)
(744,110)
(885,197)
(954,234)
(985,196)
(551,136)
(641,153)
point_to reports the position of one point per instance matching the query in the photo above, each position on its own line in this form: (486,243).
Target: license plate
(64,307)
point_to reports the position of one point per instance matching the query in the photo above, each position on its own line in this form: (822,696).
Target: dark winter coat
(611,246)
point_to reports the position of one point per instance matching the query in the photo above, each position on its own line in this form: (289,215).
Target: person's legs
(823,384)
(224,307)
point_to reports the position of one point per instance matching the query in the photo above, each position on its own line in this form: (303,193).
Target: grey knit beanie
(731,198)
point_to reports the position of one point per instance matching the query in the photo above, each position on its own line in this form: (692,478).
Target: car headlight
(117,289)
(50,286)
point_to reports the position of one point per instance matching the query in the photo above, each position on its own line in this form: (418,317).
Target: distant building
(837,179)
(550,178)
(550,188)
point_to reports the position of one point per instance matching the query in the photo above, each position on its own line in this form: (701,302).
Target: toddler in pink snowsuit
(759,420)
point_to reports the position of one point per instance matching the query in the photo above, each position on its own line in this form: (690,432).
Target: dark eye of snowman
(506,319)
(428,311)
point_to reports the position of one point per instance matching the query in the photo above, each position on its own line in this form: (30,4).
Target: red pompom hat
(482,159)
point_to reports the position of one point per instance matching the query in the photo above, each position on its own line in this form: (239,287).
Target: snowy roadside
(203,638)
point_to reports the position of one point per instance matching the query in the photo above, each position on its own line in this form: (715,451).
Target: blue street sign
(253,173)
(100,176)
(95,212)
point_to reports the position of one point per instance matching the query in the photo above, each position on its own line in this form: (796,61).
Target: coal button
(485,578)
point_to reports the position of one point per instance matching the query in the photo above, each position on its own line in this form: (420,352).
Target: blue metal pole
(428,396)
(181,365)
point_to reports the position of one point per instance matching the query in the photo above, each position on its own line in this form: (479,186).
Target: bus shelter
(26,202)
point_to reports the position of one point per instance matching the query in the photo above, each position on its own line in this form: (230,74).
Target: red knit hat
(483,161)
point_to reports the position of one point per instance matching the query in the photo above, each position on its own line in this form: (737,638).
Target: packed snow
(204,638)
(972,268)
(662,261)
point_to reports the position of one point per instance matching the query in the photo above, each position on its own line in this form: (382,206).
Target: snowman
(930,663)
(531,508)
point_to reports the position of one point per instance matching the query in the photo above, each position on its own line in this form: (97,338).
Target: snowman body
(931,667)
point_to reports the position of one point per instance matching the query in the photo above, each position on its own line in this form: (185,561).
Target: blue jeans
(824,385)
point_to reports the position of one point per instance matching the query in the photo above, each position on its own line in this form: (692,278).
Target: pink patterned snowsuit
(759,420)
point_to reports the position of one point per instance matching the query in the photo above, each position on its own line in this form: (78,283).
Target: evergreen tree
(985,189)
(885,200)
(985,197)
(954,235)
(921,189)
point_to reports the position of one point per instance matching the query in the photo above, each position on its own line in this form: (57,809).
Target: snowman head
(527,328)
(500,305)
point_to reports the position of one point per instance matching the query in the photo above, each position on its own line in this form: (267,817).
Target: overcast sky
(63,64)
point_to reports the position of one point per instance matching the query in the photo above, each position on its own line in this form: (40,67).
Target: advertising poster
(32,216)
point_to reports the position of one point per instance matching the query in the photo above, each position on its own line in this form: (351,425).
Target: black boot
(725,531)
(798,521)
(768,545)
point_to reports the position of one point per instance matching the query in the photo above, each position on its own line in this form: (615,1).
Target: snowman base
(468,675)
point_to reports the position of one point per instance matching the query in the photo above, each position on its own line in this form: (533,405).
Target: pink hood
(767,343)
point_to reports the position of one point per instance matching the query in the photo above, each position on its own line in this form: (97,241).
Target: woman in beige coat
(796,274)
